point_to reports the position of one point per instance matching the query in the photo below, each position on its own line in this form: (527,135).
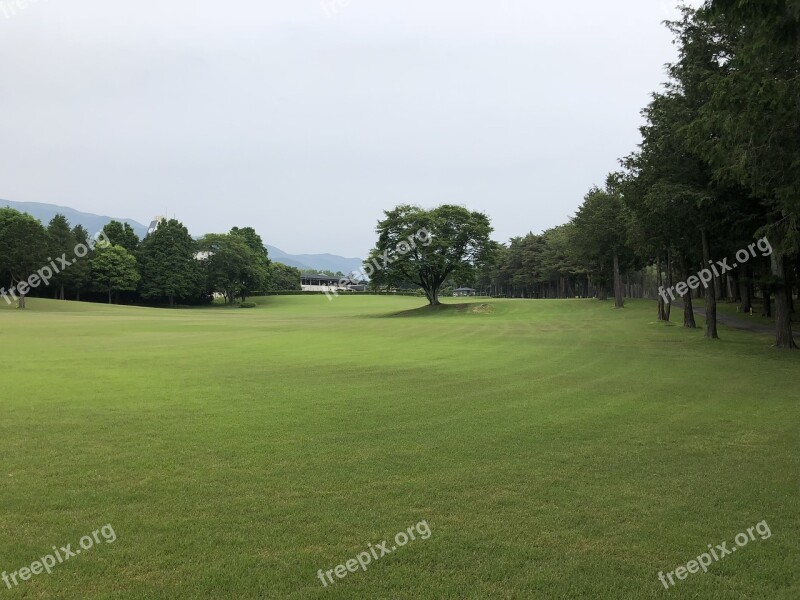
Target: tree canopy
(23,249)
(426,247)
(114,269)
(168,266)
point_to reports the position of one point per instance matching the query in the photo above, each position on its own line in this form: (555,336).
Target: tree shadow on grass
(445,309)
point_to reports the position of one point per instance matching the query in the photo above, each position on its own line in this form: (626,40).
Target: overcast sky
(307,118)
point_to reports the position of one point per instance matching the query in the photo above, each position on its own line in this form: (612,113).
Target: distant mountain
(321,262)
(94,223)
(280,256)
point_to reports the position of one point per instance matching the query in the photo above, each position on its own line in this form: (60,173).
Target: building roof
(322,277)
(336,278)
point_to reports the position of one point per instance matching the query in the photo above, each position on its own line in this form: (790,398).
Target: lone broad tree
(426,247)
(23,250)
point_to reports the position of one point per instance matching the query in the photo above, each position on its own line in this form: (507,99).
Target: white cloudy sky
(306,119)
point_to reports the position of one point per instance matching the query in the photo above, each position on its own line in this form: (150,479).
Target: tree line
(168,266)
(718,168)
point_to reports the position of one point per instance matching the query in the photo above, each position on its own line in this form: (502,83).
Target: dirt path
(736,322)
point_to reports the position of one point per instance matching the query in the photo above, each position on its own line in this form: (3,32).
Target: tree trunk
(688,307)
(744,291)
(711,294)
(432,295)
(618,300)
(61,293)
(688,312)
(660,284)
(668,285)
(783,310)
(171,301)
(21,304)
(109,296)
(767,305)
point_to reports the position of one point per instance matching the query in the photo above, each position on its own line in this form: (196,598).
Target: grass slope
(558,449)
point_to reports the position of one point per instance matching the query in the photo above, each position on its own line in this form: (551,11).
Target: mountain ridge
(94,223)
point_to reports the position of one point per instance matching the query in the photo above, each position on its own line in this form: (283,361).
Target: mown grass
(558,449)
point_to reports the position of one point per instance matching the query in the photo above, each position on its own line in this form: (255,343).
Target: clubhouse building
(328,283)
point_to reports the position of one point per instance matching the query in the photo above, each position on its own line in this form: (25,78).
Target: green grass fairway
(557,449)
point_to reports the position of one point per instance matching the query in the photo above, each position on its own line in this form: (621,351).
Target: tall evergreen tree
(601,233)
(79,276)
(61,242)
(749,130)
(168,265)
(122,234)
